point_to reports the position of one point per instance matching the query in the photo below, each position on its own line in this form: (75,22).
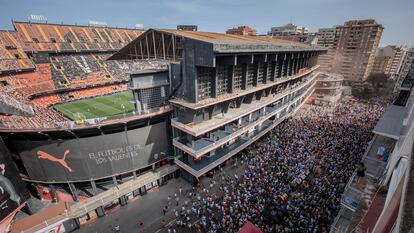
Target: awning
(390,123)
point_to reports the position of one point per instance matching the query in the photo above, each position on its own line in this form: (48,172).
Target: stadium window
(35,40)
(59,67)
(17,56)
(53,40)
(69,41)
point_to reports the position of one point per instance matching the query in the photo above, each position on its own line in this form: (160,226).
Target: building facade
(242,30)
(389,60)
(226,91)
(326,39)
(288,30)
(355,46)
(193,28)
(389,177)
(328,89)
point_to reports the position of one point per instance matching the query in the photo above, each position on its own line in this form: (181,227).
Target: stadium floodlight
(139,26)
(37,18)
(97,23)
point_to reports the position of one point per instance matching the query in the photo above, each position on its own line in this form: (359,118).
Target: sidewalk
(148,209)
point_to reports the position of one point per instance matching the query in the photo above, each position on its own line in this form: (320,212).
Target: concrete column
(122,200)
(214,83)
(296,65)
(100,211)
(231,79)
(93,184)
(73,190)
(53,192)
(256,74)
(273,71)
(265,69)
(244,79)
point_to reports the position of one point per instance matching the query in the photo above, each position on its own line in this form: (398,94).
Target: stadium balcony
(237,122)
(205,126)
(260,126)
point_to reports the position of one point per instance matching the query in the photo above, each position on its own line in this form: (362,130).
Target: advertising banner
(94,157)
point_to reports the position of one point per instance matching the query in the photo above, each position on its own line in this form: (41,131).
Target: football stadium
(224,127)
(108,106)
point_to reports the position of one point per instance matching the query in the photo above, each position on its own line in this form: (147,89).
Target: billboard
(13,191)
(94,157)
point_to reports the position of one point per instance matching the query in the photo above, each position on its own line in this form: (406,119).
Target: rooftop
(222,43)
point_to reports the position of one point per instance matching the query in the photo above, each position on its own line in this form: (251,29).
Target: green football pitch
(103,106)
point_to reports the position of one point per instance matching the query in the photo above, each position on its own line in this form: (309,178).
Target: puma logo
(44,155)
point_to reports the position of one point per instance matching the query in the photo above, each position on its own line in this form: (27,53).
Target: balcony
(211,101)
(207,163)
(202,146)
(201,167)
(357,200)
(236,113)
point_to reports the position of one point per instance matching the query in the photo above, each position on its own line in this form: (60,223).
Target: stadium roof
(220,38)
(222,43)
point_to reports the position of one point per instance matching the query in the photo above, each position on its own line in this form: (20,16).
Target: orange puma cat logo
(44,155)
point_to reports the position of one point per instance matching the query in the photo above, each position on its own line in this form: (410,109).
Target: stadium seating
(55,37)
(75,67)
(12,56)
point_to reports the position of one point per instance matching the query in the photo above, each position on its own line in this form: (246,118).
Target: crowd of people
(293,178)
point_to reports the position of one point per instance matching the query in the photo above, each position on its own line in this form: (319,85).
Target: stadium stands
(46,64)
(59,37)
(12,56)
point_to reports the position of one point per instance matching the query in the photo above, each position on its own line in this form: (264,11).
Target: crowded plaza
(290,181)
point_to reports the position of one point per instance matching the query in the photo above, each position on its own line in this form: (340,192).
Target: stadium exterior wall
(93,157)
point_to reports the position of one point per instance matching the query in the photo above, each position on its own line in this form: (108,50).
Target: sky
(397,16)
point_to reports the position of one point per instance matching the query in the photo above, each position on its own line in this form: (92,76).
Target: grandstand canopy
(166,44)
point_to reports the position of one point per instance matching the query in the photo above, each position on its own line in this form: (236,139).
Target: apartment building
(355,44)
(389,60)
(288,30)
(326,39)
(242,30)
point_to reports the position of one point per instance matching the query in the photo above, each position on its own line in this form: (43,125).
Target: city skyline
(314,15)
